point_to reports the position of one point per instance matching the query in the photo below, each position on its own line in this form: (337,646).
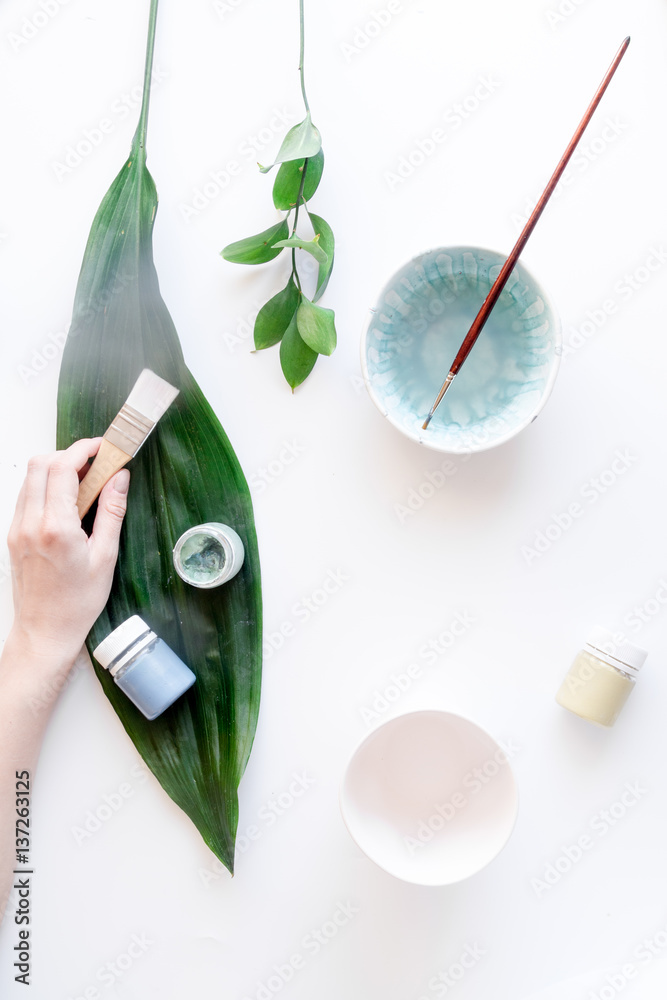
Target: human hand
(61,577)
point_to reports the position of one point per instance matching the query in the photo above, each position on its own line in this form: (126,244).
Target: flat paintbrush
(146,403)
(506,270)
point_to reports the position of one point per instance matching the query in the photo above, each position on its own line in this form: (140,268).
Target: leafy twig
(290,318)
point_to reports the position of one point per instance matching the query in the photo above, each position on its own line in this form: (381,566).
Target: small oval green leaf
(312,246)
(275,315)
(296,358)
(316,326)
(327,242)
(288,181)
(302,140)
(257,249)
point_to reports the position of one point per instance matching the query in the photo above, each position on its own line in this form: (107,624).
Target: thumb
(111,508)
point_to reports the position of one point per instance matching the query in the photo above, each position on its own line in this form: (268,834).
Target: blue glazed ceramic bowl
(415,330)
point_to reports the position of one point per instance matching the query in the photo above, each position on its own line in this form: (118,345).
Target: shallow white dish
(429,797)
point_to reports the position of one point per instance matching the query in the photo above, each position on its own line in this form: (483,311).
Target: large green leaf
(185,474)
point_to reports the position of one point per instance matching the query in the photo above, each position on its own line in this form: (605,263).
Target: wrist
(31,681)
(36,656)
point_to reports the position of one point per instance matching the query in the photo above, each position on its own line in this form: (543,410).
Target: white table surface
(336,505)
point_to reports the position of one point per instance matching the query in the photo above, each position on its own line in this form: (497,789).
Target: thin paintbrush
(148,400)
(501,280)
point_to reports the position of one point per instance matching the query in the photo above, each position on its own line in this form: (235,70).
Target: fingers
(49,479)
(93,448)
(18,511)
(64,467)
(111,508)
(34,489)
(30,489)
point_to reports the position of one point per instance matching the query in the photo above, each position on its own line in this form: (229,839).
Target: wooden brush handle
(108,461)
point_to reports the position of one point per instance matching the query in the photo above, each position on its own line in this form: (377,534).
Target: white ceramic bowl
(413,334)
(429,797)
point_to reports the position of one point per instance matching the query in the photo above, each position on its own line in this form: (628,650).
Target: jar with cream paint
(208,555)
(601,678)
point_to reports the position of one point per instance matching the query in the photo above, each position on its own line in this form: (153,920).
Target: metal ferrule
(129,430)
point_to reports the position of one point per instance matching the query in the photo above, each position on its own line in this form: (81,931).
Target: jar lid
(117,642)
(195,562)
(617,651)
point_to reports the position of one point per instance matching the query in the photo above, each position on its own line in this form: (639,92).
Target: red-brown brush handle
(506,270)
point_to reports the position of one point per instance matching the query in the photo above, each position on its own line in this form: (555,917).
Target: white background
(339,505)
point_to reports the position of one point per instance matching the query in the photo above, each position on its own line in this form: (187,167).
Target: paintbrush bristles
(445,386)
(148,400)
(151,395)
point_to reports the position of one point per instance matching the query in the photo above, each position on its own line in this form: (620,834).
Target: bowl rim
(421,437)
(369,736)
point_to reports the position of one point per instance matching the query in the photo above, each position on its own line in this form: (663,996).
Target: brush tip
(427,422)
(151,395)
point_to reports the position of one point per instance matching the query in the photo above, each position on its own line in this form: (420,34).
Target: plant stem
(301,47)
(295,273)
(299,198)
(148,69)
